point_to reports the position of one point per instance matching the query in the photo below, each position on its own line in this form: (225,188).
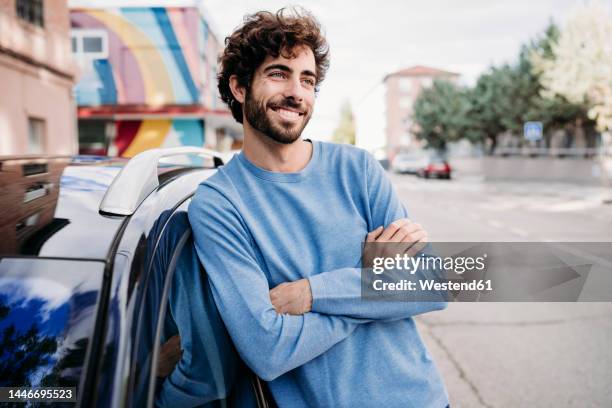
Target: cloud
(52,282)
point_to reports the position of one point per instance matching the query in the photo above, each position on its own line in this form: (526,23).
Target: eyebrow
(289,70)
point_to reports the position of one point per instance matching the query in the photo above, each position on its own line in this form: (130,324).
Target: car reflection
(47,315)
(177,300)
(46,201)
(29,189)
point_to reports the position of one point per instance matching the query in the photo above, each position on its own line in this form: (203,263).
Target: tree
(555,112)
(345,132)
(581,70)
(502,100)
(490,103)
(440,113)
(22,351)
(508,96)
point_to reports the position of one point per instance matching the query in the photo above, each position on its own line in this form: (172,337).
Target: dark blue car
(95,256)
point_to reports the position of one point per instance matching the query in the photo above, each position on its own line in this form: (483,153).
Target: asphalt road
(516,354)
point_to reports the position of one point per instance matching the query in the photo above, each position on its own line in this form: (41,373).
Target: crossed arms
(315,314)
(338,292)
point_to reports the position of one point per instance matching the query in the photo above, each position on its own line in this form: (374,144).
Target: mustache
(288,103)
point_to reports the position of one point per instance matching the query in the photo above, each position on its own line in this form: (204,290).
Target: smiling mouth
(287,113)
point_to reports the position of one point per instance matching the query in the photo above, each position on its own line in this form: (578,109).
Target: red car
(436,167)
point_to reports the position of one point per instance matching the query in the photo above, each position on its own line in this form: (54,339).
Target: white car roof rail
(138,178)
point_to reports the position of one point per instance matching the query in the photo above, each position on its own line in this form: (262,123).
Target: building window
(89,44)
(94,136)
(405,102)
(405,84)
(31,11)
(426,82)
(36,136)
(92,45)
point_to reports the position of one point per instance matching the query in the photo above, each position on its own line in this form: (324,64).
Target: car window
(177,300)
(437,159)
(47,318)
(411,156)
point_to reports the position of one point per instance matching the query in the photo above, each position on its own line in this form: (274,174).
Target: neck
(273,156)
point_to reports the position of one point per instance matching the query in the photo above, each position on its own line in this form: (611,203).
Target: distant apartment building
(147,77)
(402,89)
(37,111)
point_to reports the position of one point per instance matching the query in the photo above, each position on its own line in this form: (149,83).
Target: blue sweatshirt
(255,229)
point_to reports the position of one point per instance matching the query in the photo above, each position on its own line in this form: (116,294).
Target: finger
(407,229)
(171,344)
(283,300)
(280,302)
(408,235)
(392,229)
(414,226)
(414,247)
(278,290)
(417,247)
(401,234)
(279,286)
(174,352)
(402,247)
(176,355)
(415,236)
(286,308)
(371,237)
(292,309)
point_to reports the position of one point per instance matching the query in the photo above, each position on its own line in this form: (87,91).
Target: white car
(409,162)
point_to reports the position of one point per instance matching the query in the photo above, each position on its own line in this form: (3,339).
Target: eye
(277,74)
(308,81)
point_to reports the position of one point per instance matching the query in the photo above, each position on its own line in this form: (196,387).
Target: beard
(280,131)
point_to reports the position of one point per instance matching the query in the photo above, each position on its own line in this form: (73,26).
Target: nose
(294,90)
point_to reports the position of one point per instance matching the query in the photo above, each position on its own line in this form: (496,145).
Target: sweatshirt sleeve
(269,343)
(338,292)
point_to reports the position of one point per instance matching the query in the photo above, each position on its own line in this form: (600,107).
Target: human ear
(237,90)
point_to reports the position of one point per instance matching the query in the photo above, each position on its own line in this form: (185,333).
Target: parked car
(409,163)
(94,258)
(436,167)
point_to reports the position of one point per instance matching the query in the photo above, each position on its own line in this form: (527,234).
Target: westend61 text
(430,284)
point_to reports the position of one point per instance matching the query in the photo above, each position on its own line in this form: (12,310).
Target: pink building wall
(402,90)
(36,78)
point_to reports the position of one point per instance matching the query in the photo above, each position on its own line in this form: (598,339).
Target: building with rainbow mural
(147,77)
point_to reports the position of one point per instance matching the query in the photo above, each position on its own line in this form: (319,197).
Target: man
(290,215)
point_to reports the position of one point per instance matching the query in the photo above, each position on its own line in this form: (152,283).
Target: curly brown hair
(263,34)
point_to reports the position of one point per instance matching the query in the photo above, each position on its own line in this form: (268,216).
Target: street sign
(533,131)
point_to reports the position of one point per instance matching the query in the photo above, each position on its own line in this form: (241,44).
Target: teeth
(287,114)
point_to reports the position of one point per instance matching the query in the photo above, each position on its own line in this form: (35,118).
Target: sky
(370,39)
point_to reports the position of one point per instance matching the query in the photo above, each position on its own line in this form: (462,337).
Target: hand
(294,298)
(402,231)
(169,355)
